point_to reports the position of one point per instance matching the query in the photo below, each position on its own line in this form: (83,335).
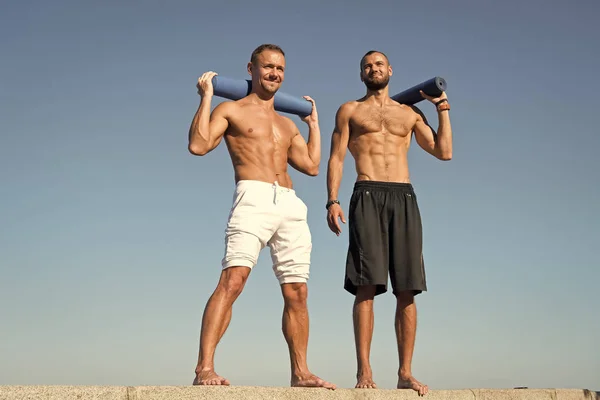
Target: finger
(208,76)
(342,217)
(307,98)
(330,222)
(338,228)
(331,226)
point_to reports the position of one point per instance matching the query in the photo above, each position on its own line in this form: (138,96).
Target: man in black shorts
(385,223)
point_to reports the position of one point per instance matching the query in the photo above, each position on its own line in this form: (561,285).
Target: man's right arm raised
(335,166)
(207,130)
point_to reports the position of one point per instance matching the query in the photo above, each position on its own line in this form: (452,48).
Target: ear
(391,72)
(249,68)
(361,76)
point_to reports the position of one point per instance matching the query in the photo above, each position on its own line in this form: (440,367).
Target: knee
(232,282)
(405,297)
(365,295)
(295,294)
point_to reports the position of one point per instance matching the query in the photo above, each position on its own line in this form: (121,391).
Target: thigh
(368,229)
(252,212)
(241,249)
(291,244)
(407,270)
(252,221)
(368,249)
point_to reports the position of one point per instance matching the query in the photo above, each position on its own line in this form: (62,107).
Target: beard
(377,82)
(270,86)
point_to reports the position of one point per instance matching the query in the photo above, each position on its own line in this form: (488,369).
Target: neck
(378,96)
(263,99)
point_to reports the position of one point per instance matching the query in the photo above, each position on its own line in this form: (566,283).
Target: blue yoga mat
(432,87)
(235,89)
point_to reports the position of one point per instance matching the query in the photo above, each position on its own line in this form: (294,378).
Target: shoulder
(416,111)
(346,110)
(285,120)
(349,106)
(225,108)
(289,125)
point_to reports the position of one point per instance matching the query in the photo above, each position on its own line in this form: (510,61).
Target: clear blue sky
(112,233)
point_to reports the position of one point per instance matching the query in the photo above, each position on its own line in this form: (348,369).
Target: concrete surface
(276,393)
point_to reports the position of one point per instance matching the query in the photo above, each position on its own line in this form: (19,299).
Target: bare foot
(210,377)
(365,382)
(310,380)
(409,382)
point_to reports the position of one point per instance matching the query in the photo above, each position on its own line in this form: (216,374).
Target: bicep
(424,134)
(218,122)
(341,134)
(298,148)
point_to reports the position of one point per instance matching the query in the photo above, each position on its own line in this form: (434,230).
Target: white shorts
(266,214)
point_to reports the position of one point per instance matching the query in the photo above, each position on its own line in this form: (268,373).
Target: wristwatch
(442,105)
(330,203)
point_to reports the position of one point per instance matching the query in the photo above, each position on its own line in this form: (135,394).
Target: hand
(433,99)
(205,87)
(313,118)
(333,214)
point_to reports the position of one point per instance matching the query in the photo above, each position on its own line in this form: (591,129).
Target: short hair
(368,53)
(263,47)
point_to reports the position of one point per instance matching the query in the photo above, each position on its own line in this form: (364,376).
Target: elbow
(313,171)
(447,156)
(197,150)
(443,154)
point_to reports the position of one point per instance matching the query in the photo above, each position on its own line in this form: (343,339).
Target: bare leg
(406,328)
(364,319)
(215,321)
(295,329)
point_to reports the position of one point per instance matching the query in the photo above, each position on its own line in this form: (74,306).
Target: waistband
(262,185)
(384,186)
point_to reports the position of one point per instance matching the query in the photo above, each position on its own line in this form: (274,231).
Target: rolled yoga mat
(432,87)
(235,89)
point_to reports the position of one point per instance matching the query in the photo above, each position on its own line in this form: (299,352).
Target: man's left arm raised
(302,156)
(437,144)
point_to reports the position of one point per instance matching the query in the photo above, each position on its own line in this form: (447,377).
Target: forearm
(199,134)
(335,170)
(314,143)
(444,136)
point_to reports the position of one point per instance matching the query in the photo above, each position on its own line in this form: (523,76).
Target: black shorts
(385,238)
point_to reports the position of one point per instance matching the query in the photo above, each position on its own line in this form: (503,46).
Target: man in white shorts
(265,211)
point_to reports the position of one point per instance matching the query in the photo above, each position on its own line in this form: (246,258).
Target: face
(375,71)
(268,71)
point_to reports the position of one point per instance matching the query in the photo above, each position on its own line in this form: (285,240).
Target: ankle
(404,373)
(204,368)
(363,370)
(300,373)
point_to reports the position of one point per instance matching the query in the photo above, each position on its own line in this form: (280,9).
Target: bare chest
(261,128)
(390,120)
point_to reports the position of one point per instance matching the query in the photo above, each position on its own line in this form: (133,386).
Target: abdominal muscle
(255,158)
(381,157)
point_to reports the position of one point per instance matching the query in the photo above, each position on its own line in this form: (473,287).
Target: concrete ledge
(276,393)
